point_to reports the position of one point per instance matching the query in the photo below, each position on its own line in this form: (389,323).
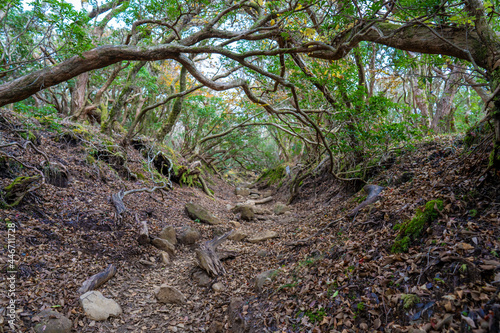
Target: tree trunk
(107,122)
(176,109)
(78,93)
(444,105)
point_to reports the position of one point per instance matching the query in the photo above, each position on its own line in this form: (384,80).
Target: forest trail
(323,271)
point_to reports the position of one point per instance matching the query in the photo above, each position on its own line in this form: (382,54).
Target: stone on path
(264,278)
(189,235)
(168,294)
(280,208)
(269,234)
(197,212)
(168,233)
(165,258)
(247,213)
(163,245)
(201,278)
(242,191)
(53,322)
(218,286)
(237,236)
(97,307)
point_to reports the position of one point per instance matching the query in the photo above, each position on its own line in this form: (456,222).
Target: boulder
(168,294)
(168,233)
(163,245)
(97,307)
(189,235)
(264,278)
(263,236)
(242,191)
(53,322)
(237,236)
(197,212)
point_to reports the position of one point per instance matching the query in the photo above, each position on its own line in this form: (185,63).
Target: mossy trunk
(176,109)
(107,122)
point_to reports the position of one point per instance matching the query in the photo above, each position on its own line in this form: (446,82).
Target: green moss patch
(273,175)
(411,230)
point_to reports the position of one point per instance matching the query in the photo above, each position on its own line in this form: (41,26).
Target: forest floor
(330,271)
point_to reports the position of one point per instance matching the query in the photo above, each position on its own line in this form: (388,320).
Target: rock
(254,196)
(247,213)
(264,277)
(164,245)
(197,212)
(237,236)
(262,253)
(189,235)
(168,233)
(266,194)
(216,327)
(53,322)
(165,258)
(219,231)
(168,294)
(235,224)
(236,318)
(280,208)
(218,287)
(97,307)
(262,211)
(263,236)
(201,278)
(242,191)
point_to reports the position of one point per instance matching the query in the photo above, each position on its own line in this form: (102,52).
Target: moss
(15,191)
(273,175)
(495,157)
(409,300)
(476,133)
(411,230)
(28,135)
(90,159)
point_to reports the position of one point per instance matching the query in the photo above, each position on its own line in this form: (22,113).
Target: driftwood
(117,198)
(208,258)
(98,279)
(373,195)
(143,238)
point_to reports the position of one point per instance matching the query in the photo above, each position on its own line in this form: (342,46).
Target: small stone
(53,322)
(216,327)
(165,258)
(363,326)
(235,224)
(247,213)
(97,307)
(168,233)
(218,287)
(263,236)
(264,277)
(168,294)
(262,253)
(201,278)
(237,236)
(280,208)
(197,212)
(164,245)
(189,235)
(242,191)
(254,196)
